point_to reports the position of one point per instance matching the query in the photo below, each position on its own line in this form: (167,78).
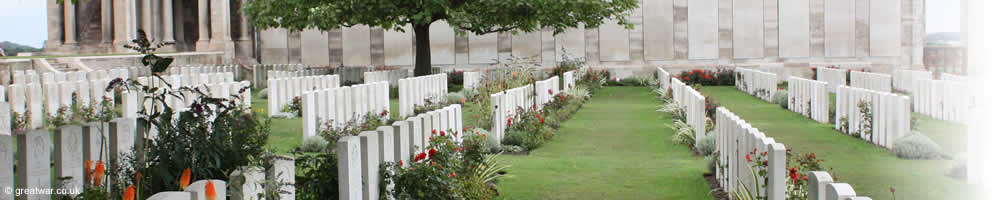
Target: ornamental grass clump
(917,146)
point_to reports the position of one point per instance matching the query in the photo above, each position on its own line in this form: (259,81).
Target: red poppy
(420,156)
(431,153)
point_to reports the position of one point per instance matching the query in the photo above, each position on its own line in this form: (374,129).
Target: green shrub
(706,145)
(684,134)
(454,97)
(448,170)
(294,107)
(314,144)
(262,93)
(316,176)
(916,146)
(781,98)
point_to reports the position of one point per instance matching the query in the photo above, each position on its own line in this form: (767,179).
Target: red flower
(550,91)
(431,153)
(706,76)
(892,189)
(686,78)
(812,155)
(748,157)
(400,162)
(442,133)
(754,151)
(543,121)
(464,129)
(420,156)
(509,121)
(451,175)
(434,131)
(765,163)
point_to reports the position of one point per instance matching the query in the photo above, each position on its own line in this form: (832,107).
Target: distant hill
(944,37)
(13,48)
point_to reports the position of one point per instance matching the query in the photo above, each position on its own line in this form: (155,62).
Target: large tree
(476,16)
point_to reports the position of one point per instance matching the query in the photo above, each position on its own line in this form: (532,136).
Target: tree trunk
(423,58)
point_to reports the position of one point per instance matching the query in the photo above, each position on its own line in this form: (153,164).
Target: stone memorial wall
(325,108)
(417,91)
(693,104)
(871,81)
(358,157)
(283,91)
(906,80)
(391,76)
(758,83)
(881,118)
(809,98)
(942,99)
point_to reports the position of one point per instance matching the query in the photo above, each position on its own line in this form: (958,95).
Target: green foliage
(314,144)
(454,98)
(19,121)
(781,98)
(708,78)
(592,79)
(456,81)
(294,107)
(447,170)
(332,132)
(212,138)
(706,145)
(685,134)
(12,48)
(917,146)
(316,176)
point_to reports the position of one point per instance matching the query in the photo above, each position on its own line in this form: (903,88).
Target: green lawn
(287,133)
(616,147)
(869,169)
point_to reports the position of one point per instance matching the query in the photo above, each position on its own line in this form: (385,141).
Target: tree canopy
(476,16)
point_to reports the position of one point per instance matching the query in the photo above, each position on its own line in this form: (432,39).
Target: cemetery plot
(505,106)
(421,91)
(359,156)
(693,104)
(262,73)
(471,79)
(809,98)
(391,76)
(942,99)
(833,77)
(757,83)
(868,168)
(871,81)
(284,91)
(877,117)
(332,108)
(907,80)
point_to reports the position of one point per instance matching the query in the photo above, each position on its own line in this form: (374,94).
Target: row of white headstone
(809,98)
(663,78)
(391,76)
(217,85)
(262,73)
(871,81)
(953,77)
(822,187)
(693,103)
(62,150)
(505,105)
(416,91)
(43,98)
(546,90)
(199,69)
(737,142)
(942,99)
(758,83)
(832,76)
(337,107)
(906,80)
(890,114)
(358,157)
(569,80)
(282,91)
(470,80)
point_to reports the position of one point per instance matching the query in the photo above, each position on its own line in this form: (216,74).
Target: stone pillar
(167,25)
(124,23)
(55,28)
(106,22)
(147,17)
(202,44)
(69,23)
(243,44)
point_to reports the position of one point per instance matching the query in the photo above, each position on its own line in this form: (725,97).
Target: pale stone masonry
(888,34)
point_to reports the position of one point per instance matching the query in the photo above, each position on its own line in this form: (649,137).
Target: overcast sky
(23,21)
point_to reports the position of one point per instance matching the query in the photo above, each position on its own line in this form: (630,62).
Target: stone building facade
(886,34)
